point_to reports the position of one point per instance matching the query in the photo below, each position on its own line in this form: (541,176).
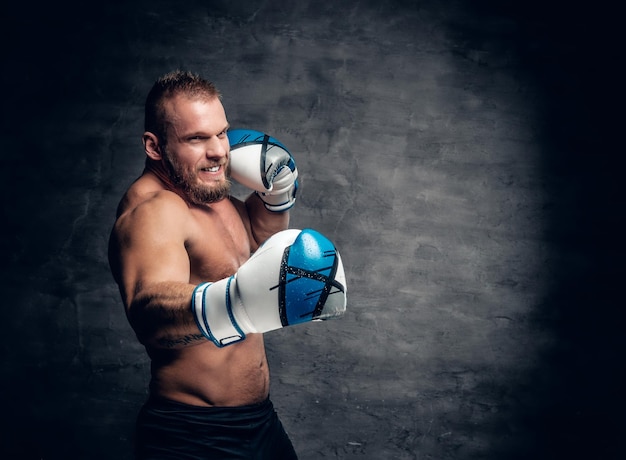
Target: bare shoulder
(150,213)
(160,209)
(150,221)
(147,191)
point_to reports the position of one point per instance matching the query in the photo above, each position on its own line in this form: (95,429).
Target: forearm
(264,223)
(161,315)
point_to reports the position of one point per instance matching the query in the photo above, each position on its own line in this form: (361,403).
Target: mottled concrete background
(458,153)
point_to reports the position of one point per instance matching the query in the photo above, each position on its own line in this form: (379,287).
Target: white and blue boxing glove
(296,276)
(263,164)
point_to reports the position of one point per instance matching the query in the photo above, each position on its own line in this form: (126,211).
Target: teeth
(212,169)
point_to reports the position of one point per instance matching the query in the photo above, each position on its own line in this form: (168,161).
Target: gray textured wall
(458,154)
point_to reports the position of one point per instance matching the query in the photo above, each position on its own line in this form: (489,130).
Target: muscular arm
(263,223)
(151,266)
(159,314)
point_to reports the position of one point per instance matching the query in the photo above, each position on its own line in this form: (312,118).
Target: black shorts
(171,430)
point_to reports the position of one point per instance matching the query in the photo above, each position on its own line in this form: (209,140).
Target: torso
(217,242)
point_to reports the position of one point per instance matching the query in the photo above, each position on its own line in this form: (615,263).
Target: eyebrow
(203,133)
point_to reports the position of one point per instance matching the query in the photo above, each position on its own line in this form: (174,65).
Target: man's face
(197,151)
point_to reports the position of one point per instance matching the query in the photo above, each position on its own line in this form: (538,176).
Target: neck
(160,171)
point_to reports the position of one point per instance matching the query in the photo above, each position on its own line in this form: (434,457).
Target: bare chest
(219,244)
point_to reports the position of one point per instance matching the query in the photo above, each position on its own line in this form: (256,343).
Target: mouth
(211,169)
(211,173)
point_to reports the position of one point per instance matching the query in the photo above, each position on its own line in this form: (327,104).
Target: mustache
(213,163)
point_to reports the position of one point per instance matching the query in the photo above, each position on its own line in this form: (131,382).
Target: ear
(151,146)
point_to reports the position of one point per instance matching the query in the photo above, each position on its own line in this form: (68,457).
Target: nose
(217,148)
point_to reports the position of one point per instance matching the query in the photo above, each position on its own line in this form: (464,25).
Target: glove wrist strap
(212,308)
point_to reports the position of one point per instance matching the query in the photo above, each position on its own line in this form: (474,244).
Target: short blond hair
(168,86)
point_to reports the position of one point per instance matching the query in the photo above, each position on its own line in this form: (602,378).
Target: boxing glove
(296,276)
(264,165)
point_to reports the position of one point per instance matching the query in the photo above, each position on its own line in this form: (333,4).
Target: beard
(186,179)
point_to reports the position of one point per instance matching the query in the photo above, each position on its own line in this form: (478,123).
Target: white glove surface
(264,165)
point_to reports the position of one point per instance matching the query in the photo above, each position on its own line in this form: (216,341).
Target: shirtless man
(177,226)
